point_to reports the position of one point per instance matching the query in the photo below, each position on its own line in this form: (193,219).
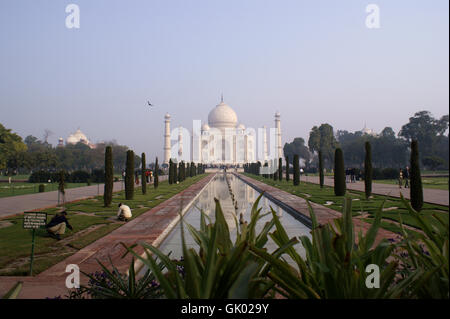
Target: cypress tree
(180,170)
(143,177)
(368,170)
(170,171)
(339,173)
(287,168)
(188,170)
(156,179)
(129,176)
(321,177)
(109,177)
(280,169)
(296,168)
(275,174)
(416,191)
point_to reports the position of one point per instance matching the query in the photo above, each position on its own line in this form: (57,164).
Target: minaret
(264,144)
(278,135)
(180,143)
(167,139)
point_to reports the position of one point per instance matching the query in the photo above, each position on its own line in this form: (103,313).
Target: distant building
(368,131)
(60,142)
(79,137)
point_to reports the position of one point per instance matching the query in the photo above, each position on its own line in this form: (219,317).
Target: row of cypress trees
(129,176)
(178,173)
(416,189)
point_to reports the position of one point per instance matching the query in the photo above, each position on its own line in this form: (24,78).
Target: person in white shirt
(124,212)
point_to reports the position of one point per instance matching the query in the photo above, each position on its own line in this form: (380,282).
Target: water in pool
(244,196)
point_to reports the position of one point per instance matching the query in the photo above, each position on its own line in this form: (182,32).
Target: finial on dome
(221,98)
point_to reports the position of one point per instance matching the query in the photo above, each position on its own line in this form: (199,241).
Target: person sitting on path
(57,225)
(124,213)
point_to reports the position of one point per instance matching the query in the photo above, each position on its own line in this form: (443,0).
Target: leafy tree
(129,176)
(339,173)
(156,179)
(109,177)
(296,167)
(297,146)
(322,139)
(12,149)
(368,171)
(416,191)
(427,131)
(143,177)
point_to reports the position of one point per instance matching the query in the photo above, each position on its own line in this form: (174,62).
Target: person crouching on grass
(57,225)
(124,213)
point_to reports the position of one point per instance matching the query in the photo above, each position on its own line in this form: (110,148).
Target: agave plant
(220,268)
(108,284)
(335,265)
(426,256)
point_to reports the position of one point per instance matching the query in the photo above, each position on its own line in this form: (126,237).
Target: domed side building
(222,141)
(78,137)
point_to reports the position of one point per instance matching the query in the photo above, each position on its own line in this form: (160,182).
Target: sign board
(34,220)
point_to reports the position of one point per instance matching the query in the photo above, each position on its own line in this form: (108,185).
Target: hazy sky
(313,61)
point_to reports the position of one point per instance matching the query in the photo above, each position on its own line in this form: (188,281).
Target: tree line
(32,154)
(388,149)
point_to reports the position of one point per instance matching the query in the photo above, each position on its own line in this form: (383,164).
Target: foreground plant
(427,256)
(335,265)
(220,268)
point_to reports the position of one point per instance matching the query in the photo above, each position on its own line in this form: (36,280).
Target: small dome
(241,127)
(205,127)
(277,114)
(167,116)
(222,116)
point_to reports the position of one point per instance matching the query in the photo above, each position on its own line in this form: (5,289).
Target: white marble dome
(222,116)
(76,137)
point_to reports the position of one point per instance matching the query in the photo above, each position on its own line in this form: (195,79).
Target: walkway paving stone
(146,227)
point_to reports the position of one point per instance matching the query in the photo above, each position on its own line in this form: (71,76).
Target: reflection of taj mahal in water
(222,141)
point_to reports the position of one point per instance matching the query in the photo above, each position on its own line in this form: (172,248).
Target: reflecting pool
(244,198)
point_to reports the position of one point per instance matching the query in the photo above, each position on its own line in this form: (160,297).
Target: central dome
(222,116)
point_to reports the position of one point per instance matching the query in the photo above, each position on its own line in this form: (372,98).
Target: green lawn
(315,194)
(15,242)
(427,182)
(20,188)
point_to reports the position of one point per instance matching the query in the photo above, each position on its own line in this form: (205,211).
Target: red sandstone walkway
(324,214)
(434,196)
(148,227)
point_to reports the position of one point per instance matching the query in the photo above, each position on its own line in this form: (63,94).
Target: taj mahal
(221,141)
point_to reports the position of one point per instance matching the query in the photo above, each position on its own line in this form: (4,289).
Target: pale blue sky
(313,61)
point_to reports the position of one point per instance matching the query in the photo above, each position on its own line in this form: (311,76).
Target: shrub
(41,188)
(79,177)
(98,176)
(109,175)
(339,173)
